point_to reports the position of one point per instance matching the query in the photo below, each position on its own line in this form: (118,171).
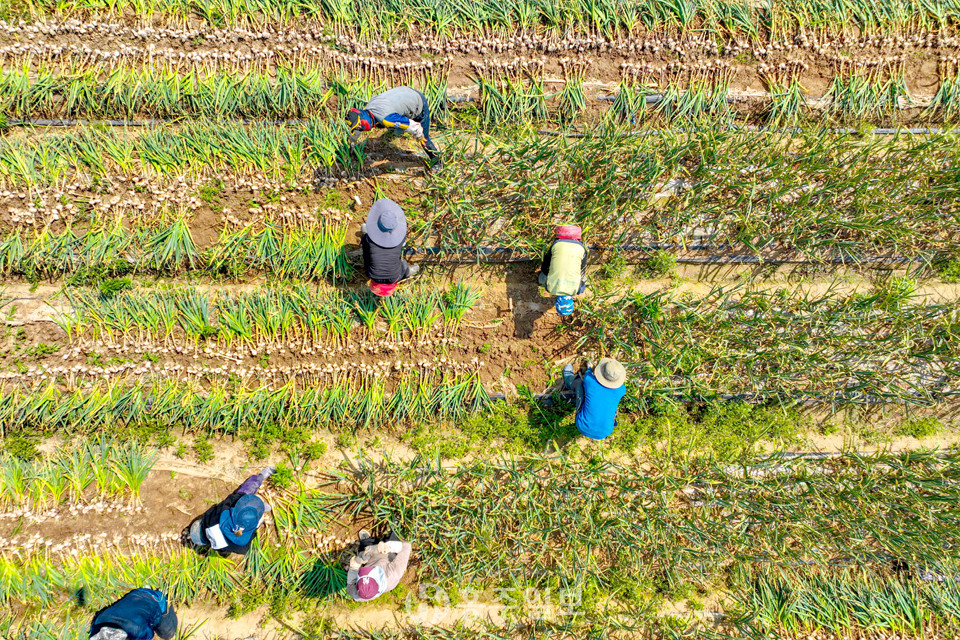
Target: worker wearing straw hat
(136,616)
(403,109)
(598,393)
(378,566)
(564,268)
(231,525)
(382,238)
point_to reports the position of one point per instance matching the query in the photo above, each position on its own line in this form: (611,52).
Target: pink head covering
(369,582)
(568,232)
(382,290)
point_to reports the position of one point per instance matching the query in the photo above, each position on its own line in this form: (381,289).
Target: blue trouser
(574,382)
(425,123)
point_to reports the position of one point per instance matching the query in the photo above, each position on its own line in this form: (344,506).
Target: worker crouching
(378,566)
(598,392)
(382,238)
(564,268)
(231,526)
(136,616)
(403,109)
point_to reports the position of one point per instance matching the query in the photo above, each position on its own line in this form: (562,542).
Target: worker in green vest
(564,268)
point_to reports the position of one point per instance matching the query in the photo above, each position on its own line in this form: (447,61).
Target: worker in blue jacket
(403,109)
(598,393)
(136,616)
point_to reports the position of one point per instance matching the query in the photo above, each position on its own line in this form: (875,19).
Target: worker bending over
(231,526)
(382,238)
(136,616)
(378,566)
(564,268)
(403,109)
(598,392)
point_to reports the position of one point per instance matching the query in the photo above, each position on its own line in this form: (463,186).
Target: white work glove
(356,563)
(268,471)
(393,546)
(416,130)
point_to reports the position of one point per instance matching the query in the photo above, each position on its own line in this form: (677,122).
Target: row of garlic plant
(300,251)
(717,18)
(346,399)
(295,91)
(100,468)
(509,92)
(296,152)
(300,314)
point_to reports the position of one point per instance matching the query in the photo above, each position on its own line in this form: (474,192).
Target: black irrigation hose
(497,255)
(649,99)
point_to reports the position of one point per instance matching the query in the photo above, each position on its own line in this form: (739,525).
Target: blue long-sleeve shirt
(597,415)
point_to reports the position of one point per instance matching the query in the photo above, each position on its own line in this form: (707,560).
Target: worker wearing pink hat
(378,567)
(563,272)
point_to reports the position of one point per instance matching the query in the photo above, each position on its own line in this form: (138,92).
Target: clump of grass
(919,427)
(948,270)
(661,263)
(111,286)
(282,477)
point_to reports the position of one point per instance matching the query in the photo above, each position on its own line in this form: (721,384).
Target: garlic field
(769,191)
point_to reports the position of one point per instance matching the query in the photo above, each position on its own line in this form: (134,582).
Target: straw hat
(610,373)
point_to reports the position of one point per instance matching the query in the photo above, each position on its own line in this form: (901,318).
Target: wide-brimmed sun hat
(239,523)
(370,581)
(386,224)
(568,231)
(564,305)
(610,373)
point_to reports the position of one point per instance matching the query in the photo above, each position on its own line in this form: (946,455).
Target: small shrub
(949,271)
(21,446)
(282,477)
(315,450)
(613,267)
(661,263)
(203,449)
(259,449)
(345,439)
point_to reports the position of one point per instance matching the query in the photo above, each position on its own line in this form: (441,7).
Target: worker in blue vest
(598,392)
(564,269)
(136,616)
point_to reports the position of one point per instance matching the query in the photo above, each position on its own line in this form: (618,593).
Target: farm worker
(401,108)
(564,268)
(136,616)
(230,527)
(378,567)
(382,239)
(598,393)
